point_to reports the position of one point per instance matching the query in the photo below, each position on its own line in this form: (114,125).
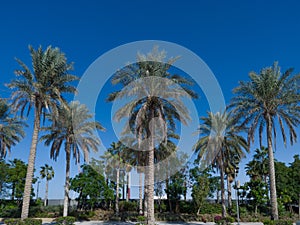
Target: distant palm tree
(73,129)
(48,173)
(146,105)
(41,90)
(268,97)
(219,141)
(11,129)
(258,168)
(113,164)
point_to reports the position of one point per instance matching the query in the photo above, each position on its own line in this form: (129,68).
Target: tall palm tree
(11,129)
(73,129)
(219,141)
(114,163)
(268,97)
(48,173)
(42,90)
(151,102)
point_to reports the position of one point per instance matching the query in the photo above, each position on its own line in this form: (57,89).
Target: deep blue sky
(232,37)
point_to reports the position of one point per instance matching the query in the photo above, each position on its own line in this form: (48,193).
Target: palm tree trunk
(67,182)
(46,193)
(255,211)
(13,191)
(150,164)
(31,162)
(168,195)
(140,193)
(223,191)
(146,181)
(229,190)
(128,187)
(117,191)
(273,195)
(150,196)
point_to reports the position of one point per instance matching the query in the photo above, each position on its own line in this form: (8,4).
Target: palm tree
(48,173)
(113,163)
(258,168)
(153,100)
(41,90)
(219,141)
(268,97)
(11,129)
(73,129)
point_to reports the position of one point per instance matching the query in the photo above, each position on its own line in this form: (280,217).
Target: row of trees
(97,188)
(12,180)
(268,97)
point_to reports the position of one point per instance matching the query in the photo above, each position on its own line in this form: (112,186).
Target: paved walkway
(48,222)
(159,223)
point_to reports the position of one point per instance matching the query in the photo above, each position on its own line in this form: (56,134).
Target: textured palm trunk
(141,193)
(150,196)
(146,181)
(117,192)
(128,187)
(218,196)
(229,190)
(31,163)
(273,195)
(223,192)
(150,180)
(46,193)
(67,182)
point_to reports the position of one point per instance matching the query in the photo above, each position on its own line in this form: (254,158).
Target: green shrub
(223,221)
(141,218)
(160,207)
(277,222)
(30,221)
(85,215)
(67,220)
(211,208)
(13,222)
(27,221)
(127,206)
(230,219)
(186,207)
(10,212)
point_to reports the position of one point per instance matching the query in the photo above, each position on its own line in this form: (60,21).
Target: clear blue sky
(232,37)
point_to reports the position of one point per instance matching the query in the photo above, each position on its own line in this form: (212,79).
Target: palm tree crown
(11,129)
(47,172)
(72,127)
(269,96)
(43,87)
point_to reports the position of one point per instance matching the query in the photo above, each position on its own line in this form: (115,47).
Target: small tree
(91,187)
(176,189)
(257,195)
(200,188)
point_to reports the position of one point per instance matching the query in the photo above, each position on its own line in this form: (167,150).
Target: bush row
(28,221)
